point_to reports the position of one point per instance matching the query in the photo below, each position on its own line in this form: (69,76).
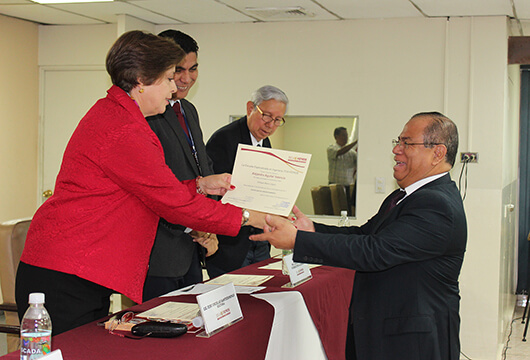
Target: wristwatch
(246,216)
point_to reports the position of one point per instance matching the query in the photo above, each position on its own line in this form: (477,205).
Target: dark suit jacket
(222,149)
(405,301)
(172,251)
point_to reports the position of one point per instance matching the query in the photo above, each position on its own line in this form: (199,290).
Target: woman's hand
(256,219)
(206,240)
(215,184)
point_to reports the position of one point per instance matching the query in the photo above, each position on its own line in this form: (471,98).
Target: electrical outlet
(380,185)
(469,157)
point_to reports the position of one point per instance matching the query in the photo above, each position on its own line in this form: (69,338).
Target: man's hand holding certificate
(267,180)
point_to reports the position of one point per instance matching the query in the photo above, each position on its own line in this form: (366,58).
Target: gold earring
(141,91)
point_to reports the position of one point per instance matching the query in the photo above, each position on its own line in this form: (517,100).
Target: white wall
(384,71)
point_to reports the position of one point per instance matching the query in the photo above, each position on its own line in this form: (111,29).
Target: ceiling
(160,12)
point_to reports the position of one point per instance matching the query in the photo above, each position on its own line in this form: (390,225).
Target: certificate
(171,311)
(240,279)
(267,180)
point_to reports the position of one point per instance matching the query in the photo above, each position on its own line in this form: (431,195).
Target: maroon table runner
(327,297)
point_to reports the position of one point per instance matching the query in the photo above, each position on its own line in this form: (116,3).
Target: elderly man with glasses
(405,300)
(265,112)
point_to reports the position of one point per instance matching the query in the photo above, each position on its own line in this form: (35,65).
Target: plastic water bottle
(35,330)
(285,269)
(344,220)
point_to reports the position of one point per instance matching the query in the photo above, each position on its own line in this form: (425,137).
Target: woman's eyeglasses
(125,318)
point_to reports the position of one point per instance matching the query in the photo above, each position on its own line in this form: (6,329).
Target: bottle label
(35,345)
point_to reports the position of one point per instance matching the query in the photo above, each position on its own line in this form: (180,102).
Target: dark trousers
(155,286)
(350,344)
(70,300)
(258,251)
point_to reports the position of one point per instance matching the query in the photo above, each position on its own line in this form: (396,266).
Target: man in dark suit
(265,112)
(175,259)
(405,301)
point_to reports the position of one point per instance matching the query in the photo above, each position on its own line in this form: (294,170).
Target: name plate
(219,309)
(298,272)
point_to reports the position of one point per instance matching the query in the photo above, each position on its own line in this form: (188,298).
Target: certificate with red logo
(267,180)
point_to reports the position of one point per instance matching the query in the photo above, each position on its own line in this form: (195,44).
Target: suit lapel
(171,118)
(244,131)
(196,132)
(382,215)
(383,218)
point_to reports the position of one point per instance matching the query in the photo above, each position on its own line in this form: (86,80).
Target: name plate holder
(219,310)
(299,273)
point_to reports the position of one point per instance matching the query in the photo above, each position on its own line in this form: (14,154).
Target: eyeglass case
(159,329)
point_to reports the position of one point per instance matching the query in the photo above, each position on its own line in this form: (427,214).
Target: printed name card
(298,272)
(219,309)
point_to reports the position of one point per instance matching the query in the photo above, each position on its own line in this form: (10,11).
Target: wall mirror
(313,134)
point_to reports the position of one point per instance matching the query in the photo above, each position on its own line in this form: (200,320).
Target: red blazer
(112,188)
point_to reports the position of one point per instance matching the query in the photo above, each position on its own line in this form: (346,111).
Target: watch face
(246,215)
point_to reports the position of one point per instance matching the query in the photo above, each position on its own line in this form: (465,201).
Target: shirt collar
(418,184)
(255,142)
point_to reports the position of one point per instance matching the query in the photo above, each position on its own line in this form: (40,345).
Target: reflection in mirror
(313,135)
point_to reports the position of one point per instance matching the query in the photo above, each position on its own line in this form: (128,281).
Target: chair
(339,199)
(12,239)
(353,194)
(321,196)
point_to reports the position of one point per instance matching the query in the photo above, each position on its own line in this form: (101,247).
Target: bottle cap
(198,322)
(36,298)
(344,213)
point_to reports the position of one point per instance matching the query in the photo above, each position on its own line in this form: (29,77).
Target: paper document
(278,266)
(267,180)
(237,279)
(171,311)
(204,288)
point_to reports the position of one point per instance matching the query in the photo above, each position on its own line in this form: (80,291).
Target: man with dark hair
(176,256)
(342,165)
(405,300)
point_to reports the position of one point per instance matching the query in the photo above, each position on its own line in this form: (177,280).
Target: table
(327,297)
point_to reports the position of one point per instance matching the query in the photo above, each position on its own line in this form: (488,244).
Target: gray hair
(441,130)
(269,92)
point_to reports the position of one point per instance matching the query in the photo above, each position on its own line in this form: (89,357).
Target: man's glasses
(267,118)
(404,144)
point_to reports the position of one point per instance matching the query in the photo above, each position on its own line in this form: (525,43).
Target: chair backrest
(339,198)
(12,240)
(321,196)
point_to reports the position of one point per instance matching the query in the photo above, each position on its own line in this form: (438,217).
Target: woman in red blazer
(94,235)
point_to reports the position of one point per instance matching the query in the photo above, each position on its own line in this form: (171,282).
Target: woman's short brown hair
(138,55)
